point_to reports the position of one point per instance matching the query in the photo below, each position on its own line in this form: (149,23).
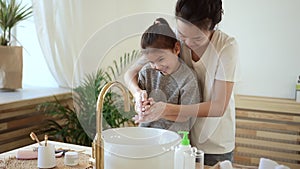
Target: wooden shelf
(19,115)
(267,104)
(267,128)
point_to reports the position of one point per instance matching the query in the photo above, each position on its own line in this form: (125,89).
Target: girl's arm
(131,75)
(131,81)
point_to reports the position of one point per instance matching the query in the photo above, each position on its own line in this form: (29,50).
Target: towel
(226,165)
(26,155)
(222,165)
(32,155)
(265,163)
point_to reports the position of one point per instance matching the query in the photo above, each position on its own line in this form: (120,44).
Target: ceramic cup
(193,159)
(46,156)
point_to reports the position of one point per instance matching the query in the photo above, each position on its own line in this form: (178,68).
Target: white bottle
(298,90)
(184,146)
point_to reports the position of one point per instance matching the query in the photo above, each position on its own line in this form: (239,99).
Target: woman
(214,56)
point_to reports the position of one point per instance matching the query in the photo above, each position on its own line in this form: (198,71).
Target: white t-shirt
(215,135)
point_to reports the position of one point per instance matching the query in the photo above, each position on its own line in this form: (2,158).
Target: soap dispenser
(184,146)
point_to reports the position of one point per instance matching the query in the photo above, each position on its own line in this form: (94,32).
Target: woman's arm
(222,92)
(215,108)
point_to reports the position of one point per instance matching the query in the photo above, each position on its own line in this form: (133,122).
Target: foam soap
(184,146)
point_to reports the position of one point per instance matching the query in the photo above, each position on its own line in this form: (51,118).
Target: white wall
(118,29)
(267,32)
(36,72)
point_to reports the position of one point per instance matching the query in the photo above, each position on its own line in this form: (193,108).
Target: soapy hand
(151,111)
(140,97)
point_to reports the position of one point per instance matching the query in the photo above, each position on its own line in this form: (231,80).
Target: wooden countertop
(83,149)
(8,159)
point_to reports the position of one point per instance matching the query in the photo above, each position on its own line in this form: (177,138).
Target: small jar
(71,158)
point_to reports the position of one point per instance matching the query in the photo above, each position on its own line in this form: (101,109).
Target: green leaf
(11,13)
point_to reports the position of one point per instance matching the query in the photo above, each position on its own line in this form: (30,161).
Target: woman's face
(191,35)
(163,60)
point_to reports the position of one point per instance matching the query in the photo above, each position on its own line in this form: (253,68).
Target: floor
(29,92)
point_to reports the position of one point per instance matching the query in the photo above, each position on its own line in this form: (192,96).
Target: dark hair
(205,14)
(159,35)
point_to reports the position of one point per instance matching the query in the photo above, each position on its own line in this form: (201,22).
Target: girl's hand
(139,98)
(153,111)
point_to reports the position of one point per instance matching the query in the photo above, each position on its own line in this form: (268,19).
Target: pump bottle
(184,146)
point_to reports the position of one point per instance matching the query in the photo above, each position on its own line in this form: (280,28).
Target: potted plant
(11,58)
(76,123)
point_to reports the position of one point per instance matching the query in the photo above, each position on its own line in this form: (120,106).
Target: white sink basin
(138,147)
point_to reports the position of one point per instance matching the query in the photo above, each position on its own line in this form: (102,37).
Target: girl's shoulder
(146,69)
(186,71)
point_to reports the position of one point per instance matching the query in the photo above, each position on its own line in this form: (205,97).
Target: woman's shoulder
(221,40)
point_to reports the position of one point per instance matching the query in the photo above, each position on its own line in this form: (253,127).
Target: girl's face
(164,60)
(191,35)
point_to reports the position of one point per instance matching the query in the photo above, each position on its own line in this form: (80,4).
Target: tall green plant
(11,13)
(70,131)
(84,99)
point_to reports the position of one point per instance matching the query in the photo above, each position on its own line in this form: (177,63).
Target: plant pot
(11,67)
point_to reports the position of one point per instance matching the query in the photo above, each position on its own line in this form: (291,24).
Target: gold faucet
(98,147)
